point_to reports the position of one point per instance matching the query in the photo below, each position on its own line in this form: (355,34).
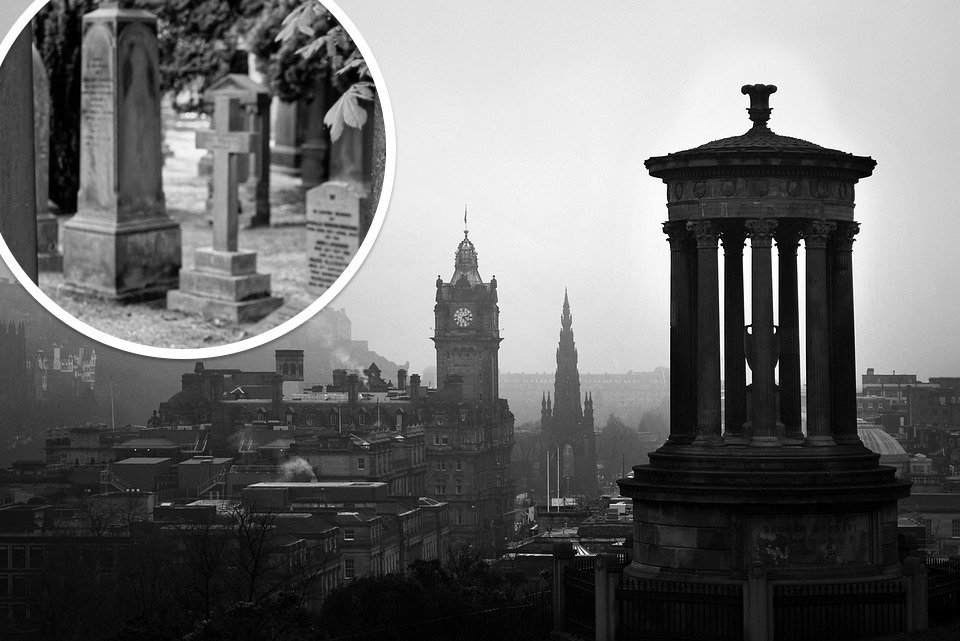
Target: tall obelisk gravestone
(49,258)
(121,245)
(18,196)
(224,282)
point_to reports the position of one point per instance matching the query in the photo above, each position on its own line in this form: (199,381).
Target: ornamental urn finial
(759,108)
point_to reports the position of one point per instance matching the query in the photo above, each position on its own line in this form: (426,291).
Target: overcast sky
(539,115)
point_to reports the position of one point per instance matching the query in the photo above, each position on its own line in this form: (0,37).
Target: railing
(579,598)
(210,483)
(530,620)
(652,609)
(839,611)
(256,469)
(107,477)
(943,589)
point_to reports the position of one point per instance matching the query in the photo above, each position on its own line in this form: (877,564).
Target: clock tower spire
(467,330)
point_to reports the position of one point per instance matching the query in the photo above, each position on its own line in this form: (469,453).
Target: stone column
(607,573)
(818,334)
(682,332)
(708,334)
(789,333)
(562,557)
(843,366)
(18,195)
(762,342)
(734,363)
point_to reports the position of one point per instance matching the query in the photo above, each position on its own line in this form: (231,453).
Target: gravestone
(250,111)
(335,229)
(18,193)
(49,258)
(121,245)
(224,282)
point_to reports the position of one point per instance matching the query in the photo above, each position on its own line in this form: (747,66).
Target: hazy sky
(539,115)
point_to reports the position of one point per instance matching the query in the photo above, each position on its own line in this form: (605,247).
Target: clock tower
(467,332)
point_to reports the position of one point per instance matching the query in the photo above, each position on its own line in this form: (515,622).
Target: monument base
(766,533)
(124,262)
(224,285)
(248,311)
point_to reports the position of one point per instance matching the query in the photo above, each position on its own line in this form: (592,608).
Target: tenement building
(765,524)
(567,427)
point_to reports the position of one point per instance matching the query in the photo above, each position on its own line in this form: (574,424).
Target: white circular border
(255,341)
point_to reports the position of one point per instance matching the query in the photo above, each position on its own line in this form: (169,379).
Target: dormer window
(361,418)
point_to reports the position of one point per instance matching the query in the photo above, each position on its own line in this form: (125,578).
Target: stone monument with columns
(741,501)
(121,245)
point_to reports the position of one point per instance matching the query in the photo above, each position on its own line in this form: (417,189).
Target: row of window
(441,466)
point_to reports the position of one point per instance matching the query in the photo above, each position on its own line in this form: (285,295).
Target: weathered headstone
(250,111)
(18,194)
(301,140)
(121,245)
(335,230)
(224,282)
(49,258)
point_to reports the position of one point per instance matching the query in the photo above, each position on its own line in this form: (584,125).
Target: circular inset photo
(187,185)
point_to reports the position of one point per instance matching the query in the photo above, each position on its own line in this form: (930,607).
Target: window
(459,487)
(333,418)
(361,463)
(955,528)
(349,571)
(19,587)
(459,517)
(441,466)
(436,439)
(362,418)
(4,557)
(440,488)
(19,557)
(459,466)
(36,557)
(443,439)
(349,534)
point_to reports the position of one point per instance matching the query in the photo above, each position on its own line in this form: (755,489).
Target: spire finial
(465,220)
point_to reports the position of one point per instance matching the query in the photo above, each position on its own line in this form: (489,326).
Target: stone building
(469,427)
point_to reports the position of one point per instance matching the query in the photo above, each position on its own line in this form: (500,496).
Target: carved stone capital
(815,234)
(677,235)
(705,233)
(842,239)
(761,231)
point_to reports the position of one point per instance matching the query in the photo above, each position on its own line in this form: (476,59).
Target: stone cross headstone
(49,258)
(18,193)
(250,111)
(121,245)
(224,282)
(334,232)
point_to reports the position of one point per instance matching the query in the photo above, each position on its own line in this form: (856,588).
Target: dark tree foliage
(57,31)
(199,40)
(290,74)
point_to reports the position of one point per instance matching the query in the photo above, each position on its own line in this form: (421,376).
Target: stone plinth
(224,285)
(121,245)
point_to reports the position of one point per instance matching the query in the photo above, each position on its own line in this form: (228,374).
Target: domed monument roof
(891,452)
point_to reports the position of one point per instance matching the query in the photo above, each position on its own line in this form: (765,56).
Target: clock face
(463,317)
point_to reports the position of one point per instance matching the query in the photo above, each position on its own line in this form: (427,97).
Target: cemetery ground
(280,253)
